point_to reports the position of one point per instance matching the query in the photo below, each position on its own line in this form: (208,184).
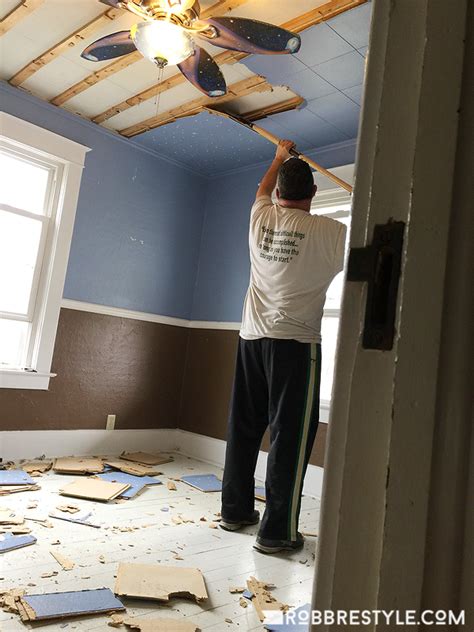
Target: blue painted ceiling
(327,72)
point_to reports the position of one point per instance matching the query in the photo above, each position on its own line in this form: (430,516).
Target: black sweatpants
(276,384)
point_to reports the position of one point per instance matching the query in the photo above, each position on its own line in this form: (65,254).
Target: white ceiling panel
(140,76)
(54,78)
(15,52)
(6,6)
(168,100)
(261,100)
(97,99)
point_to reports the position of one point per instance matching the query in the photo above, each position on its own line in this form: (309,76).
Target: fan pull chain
(158,96)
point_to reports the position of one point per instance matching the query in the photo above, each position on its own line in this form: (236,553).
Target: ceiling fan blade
(203,72)
(109,47)
(251,36)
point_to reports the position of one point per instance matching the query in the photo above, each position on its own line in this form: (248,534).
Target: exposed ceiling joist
(71,40)
(222,6)
(23,8)
(156,89)
(275,108)
(235,91)
(321,14)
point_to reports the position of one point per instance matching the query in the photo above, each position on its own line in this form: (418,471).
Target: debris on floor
(9,542)
(14,489)
(171,486)
(236,590)
(143,458)
(136,484)
(10,517)
(66,563)
(204,482)
(161,625)
(155,581)
(15,477)
(67,604)
(36,468)
(77,465)
(77,519)
(262,600)
(133,468)
(8,599)
(94,489)
(68,508)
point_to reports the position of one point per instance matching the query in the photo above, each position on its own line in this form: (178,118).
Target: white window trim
(327,197)
(71,156)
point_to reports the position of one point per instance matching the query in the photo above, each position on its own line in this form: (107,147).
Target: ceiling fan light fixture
(162,42)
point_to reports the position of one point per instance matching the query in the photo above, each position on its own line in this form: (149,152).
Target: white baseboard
(28,444)
(213,451)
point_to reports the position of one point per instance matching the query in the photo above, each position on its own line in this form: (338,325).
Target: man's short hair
(295,180)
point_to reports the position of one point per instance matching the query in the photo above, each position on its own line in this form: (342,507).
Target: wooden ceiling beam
(235,91)
(321,14)
(149,93)
(70,41)
(222,6)
(275,108)
(18,13)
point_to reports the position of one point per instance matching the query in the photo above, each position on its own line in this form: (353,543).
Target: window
(338,206)
(38,196)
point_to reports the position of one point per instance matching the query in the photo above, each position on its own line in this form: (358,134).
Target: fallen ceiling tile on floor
(65,562)
(15,489)
(155,581)
(8,516)
(262,600)
(68,604)
(146,459)
(204,482)
(77,520)
(10,542)
(94,489)
(77,465)
(136,469)
(161,625)
(36,466)
(136,483)
(15,477)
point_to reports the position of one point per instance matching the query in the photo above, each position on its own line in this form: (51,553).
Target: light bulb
(162,42)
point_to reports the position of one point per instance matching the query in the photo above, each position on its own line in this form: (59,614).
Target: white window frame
(67,157)
(336,197)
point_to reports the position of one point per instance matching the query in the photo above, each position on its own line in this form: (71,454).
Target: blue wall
(138,222)
(224,268)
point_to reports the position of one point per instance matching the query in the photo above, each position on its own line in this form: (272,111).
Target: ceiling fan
(166,36)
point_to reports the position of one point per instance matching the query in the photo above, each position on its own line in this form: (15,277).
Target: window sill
(17,378)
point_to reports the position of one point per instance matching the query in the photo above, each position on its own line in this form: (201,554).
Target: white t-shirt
(294,257)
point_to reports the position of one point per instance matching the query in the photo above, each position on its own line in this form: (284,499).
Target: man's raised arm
(269,181)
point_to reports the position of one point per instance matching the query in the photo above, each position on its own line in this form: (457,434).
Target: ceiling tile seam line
(22,93)
(343,38)
(314,152)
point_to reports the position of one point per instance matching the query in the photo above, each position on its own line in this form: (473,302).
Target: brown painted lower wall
(147,374)
(208,383)
(105,365)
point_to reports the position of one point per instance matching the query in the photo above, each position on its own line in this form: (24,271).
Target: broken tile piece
(133,468)
(94,489)
(10,542)
(78,465)
(136,483)
(262,600)
(68,604)
(158,582)
(171,486)
(9,516)
(144,458)
(204,482)
(15,477)
(66,563)
(68,508)
(36,466)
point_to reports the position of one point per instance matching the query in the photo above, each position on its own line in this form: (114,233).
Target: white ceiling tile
(15,52)
(99,98)
(54,78)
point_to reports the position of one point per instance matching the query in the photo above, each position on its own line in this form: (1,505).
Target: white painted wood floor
(225,559)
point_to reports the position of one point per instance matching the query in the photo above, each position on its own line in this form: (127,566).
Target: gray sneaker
(276,546)
(231,525)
